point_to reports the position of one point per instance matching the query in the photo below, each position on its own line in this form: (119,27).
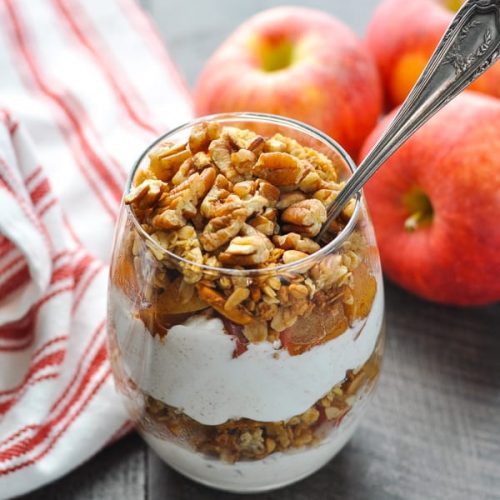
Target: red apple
(297,62)
(403,34)
(436,204)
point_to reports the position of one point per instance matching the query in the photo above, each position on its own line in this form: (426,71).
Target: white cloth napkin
(85,86)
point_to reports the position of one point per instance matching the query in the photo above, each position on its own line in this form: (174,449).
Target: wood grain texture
(433,430)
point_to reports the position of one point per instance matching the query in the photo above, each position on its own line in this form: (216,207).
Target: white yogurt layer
(193,368)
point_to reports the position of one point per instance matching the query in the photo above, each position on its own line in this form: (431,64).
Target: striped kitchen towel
(85,86)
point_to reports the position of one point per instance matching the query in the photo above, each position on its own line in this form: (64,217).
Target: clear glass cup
(237,415)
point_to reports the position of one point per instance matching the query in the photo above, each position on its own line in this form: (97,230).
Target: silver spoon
(470,45)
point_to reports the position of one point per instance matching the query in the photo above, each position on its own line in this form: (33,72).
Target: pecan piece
(199,139)
(304,217)
(326,196)
(329,271)
(237,315)
(180,203)
(216,197)
(183,172)
(245,188)
(220,230)
(280,169)
(263,224)
(168,219)
(239,138)
(294,241)
(146,194)
(220,152)
(243,161)
(247,251)
(257,145)
(311,182)
(293,256)
(165,160)
(290,198)
(199,184)
(201,160)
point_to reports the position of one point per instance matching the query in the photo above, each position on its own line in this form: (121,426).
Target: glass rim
(332,245)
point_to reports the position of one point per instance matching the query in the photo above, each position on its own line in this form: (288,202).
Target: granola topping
(230,198)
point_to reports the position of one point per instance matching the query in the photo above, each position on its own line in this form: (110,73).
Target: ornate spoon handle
(470,45)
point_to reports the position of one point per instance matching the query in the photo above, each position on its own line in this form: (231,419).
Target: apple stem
(420,208)
(412,222)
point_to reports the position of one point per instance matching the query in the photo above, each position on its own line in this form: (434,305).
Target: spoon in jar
(470,45)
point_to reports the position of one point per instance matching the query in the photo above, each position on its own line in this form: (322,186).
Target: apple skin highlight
(453,258)
(322,74)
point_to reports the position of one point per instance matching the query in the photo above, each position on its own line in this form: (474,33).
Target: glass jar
(232,413)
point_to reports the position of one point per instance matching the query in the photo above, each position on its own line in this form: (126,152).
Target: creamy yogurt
(193,368)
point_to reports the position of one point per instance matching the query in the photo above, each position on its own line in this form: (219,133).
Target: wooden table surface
(433,430)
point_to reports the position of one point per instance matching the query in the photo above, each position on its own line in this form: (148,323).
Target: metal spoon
(470,45)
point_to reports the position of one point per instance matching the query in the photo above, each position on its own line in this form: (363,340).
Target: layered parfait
(245,349)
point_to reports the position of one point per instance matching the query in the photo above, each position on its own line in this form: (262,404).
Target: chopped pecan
(201,160)
(216,197)
(263,224)
(294,241)
(261,195)
(220,152)
(168,219)
(146,194)
(329,271)
(185,170)
(237,315)
(267,190)
(199,139)
(199,184)
(290,198)
(293,256)
(321,163)
(311,182)
(348,210)
(181,203)
(239,138)
(326,196)
(257,145)
(304,217)
(165,160)
(274,145)
(246,251)
(280,169)
(243,161)
(220,230)
(245,188)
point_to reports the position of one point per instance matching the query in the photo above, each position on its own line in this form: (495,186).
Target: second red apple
(297,62)
(402,36)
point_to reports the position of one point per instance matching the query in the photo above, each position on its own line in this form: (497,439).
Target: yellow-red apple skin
(455,160)
(410,30)
(334,85)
